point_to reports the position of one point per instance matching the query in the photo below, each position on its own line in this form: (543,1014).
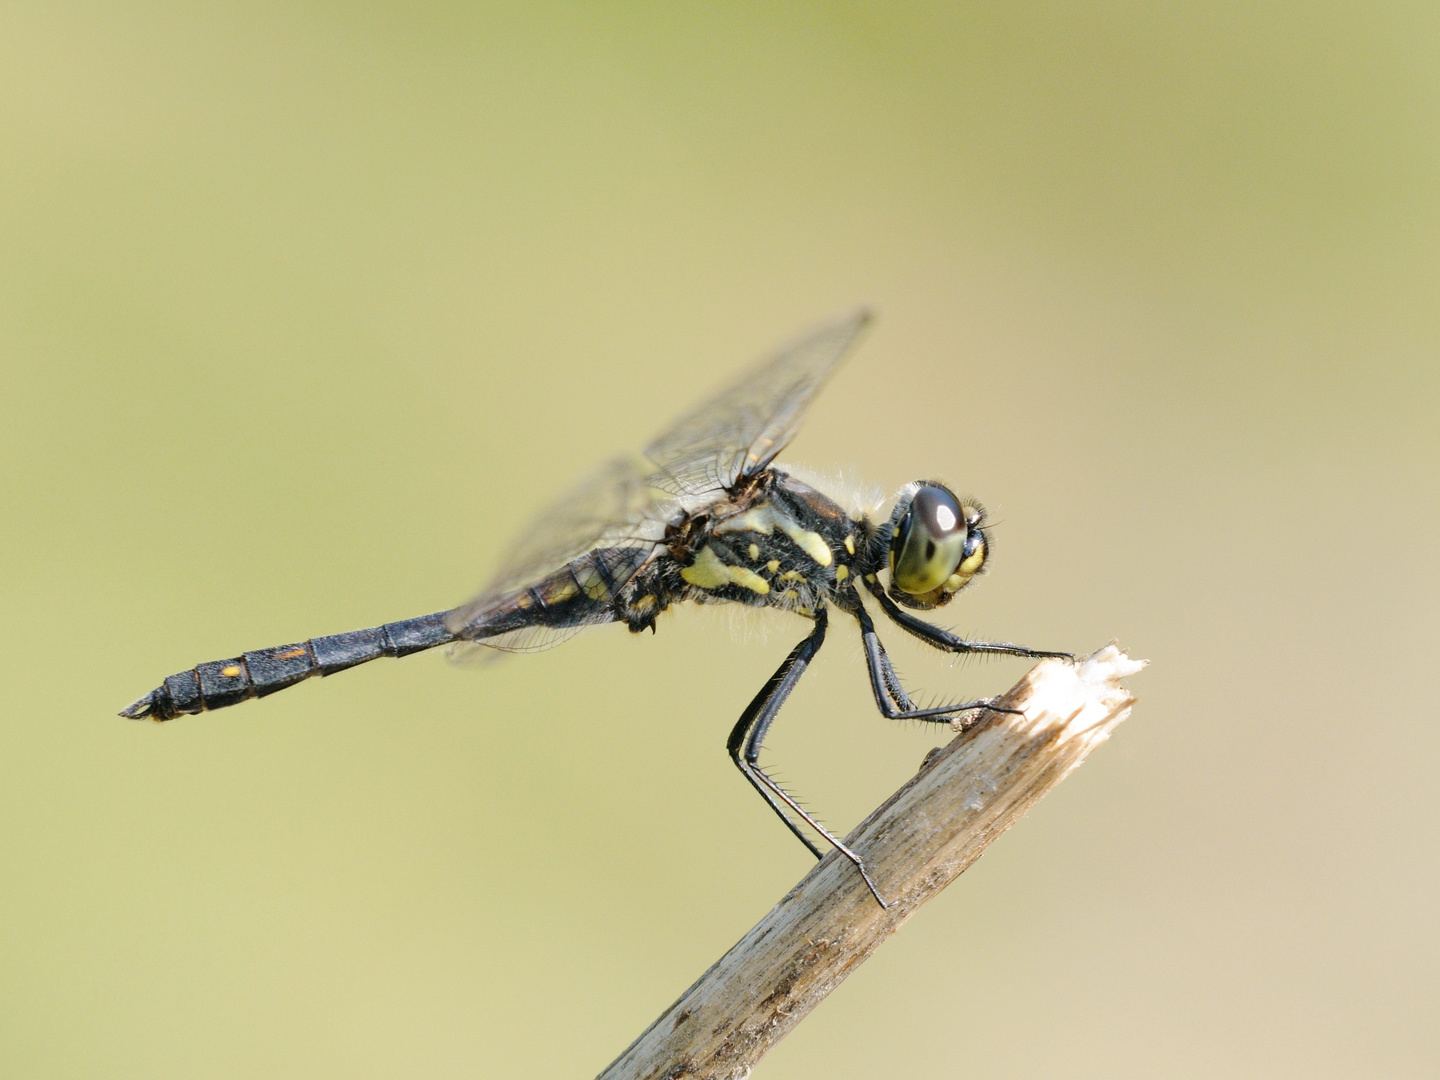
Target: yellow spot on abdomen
(230,670)
(594,585)
(563,593)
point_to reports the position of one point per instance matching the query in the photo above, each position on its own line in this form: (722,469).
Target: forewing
(739,431)
(626,504)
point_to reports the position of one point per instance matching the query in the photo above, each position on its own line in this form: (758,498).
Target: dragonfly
(704,515)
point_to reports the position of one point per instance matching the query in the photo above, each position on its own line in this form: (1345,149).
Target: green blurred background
(304,308)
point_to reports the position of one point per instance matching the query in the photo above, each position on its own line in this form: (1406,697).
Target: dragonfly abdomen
(219,683)
(602,586)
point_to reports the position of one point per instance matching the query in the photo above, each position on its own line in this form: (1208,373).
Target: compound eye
(930,541)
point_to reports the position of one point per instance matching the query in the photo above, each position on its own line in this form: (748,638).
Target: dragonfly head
(937,544)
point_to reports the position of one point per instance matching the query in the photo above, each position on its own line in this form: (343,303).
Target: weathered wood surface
(917,842)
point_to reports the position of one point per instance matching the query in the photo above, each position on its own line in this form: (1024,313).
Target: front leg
(890,697)
(948,642)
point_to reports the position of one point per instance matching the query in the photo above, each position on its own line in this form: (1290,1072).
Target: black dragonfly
(706,516)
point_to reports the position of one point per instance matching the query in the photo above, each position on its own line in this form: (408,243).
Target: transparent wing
(531,639)
(739,432)
(624,506)
(614,507)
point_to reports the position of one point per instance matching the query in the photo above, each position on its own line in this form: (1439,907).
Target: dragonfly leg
(749,734)
(890,696)
(947,642)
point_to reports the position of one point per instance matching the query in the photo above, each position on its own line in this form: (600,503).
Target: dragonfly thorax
(776,542)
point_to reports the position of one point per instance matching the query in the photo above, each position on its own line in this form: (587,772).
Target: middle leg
(890,697)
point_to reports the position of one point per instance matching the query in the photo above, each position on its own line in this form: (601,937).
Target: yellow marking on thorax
(773,565)
(791,575)
(756,519)
(749,579)
(850,544)
(842,572)
(807,541)
(754,552)
(645,603)
(708,572)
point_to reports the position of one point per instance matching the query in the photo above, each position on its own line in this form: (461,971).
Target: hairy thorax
(773,542)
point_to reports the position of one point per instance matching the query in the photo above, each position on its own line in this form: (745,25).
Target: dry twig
(917,842)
